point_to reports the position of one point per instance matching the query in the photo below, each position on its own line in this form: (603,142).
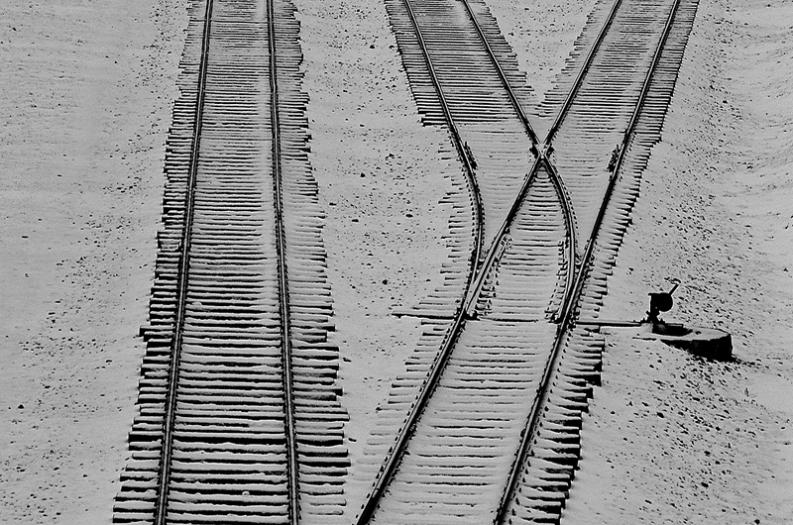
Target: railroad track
(542,472)
(239,419)
(238,416)
(448,459)
(520,194)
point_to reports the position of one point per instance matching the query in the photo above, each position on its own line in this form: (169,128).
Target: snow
(541,34)
(670,438)
(87,87)
(381,175)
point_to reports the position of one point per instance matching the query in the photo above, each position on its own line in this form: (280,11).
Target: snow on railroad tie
(642,76)
(465,437)
(230,445)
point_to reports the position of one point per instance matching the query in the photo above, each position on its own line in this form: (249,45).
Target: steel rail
(579,80)
(161,501)
(182,282)
(539,159)
(567,207)
(567,211)
(546,148)
(473,289)
(513,98)
(283,278)
(542,151)
(396,451)
(569,314)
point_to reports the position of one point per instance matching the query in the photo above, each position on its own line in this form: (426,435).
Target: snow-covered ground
(671,438)
(381,176)
(86,91)
(87,87)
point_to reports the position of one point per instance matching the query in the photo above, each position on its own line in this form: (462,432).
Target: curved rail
(160,503)
(479,271)
(567,211)
(513,98)
(539,159)
(567,206)
(542,150)
(396,451)
(570,310)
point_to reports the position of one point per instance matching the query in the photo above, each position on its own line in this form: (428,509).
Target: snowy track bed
(627,93)
(508,386)
(238,412)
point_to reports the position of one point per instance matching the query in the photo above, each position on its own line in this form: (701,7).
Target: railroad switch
(707,342)
(660,302)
